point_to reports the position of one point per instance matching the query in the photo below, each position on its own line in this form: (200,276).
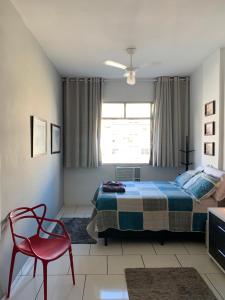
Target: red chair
(46,250)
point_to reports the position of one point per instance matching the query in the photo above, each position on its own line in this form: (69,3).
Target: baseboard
(30,261)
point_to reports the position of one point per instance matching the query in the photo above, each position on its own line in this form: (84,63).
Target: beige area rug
(166,284)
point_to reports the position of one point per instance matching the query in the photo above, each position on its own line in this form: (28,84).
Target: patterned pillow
(186,176)
(203,187)
(191,181)
(220,188)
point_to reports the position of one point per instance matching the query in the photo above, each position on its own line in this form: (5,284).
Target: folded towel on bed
(106,188)
(113,183)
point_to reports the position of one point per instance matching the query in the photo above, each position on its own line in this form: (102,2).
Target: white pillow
(213,171)
(220,187)
(220,190)
(199,169)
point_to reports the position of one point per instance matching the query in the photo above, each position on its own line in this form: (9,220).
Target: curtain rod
(121,79)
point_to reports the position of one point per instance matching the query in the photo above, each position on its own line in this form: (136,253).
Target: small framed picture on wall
(210,108)
(38,136)
(55,139)
(209,128)
(209,148)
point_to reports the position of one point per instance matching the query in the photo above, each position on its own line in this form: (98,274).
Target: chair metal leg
(14,252)
(35,266)
(45,276)
(71,264)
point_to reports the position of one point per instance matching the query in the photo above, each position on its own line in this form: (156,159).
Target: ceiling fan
(130,71)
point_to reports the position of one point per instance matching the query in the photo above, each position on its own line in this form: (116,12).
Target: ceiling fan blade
(115,64)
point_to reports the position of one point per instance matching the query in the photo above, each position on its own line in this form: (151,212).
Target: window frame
(129,118)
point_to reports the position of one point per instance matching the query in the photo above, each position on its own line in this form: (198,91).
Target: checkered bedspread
(147,205)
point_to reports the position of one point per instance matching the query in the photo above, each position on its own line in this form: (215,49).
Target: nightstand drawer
(220,235)
(219,256)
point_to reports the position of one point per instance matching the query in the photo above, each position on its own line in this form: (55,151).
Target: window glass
(138,110)
(113,110)
(125,132)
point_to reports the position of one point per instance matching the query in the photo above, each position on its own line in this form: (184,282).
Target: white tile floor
(100,269)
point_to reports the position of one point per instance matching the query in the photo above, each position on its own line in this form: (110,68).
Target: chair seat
(47,249)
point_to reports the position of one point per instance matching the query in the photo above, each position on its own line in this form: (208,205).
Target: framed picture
(210,108)
(38,136)
(209,128)
(55,139)
(209,148)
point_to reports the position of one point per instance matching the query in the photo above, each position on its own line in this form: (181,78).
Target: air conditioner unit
(128,173)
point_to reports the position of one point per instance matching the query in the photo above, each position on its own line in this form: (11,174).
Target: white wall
(205,87)
(196,103)
(80,184)
(119,91)
(29,85)
(222,106)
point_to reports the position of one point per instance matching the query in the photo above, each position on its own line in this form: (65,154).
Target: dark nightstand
(216,235)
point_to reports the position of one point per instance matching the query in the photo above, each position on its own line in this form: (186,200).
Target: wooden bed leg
(106,241)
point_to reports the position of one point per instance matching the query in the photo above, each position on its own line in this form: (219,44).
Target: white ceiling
(173,36)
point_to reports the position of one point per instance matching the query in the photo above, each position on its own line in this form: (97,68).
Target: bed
(149,206)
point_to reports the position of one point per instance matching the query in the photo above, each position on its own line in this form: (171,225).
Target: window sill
(126,164)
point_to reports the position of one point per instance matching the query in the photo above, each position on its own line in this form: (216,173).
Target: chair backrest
(26,213)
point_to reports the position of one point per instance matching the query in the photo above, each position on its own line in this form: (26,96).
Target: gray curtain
(170,121)
(82,122)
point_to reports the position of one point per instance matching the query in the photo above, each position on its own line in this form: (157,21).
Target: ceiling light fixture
(130,71)
(131,79)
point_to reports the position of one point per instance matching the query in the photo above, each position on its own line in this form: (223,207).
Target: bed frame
(161,235)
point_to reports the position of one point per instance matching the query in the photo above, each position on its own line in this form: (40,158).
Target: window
(125,132)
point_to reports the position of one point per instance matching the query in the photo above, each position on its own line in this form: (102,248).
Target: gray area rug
(166,284)
(76,227)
